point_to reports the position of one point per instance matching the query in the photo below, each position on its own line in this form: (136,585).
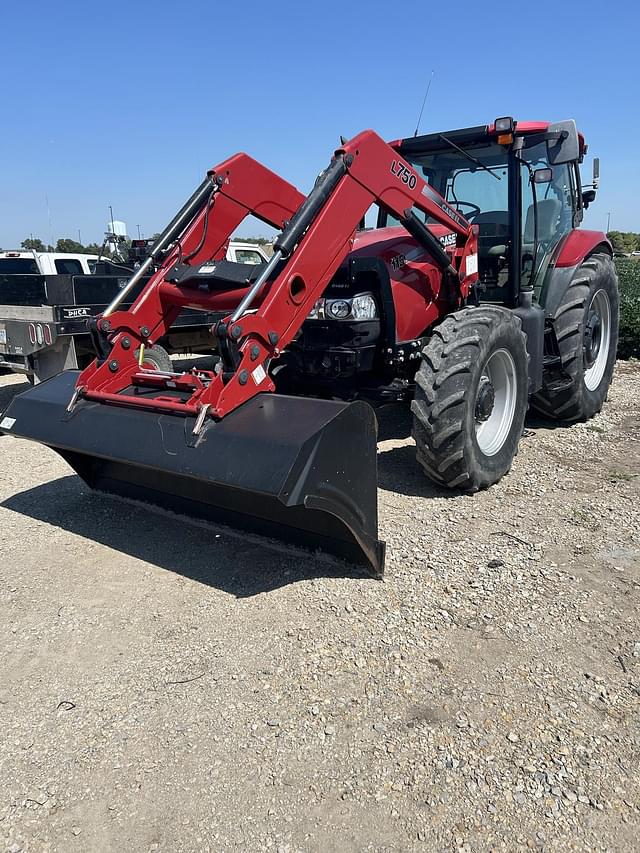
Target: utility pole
(608,222)
(79,237)
(46,198)
(138,227)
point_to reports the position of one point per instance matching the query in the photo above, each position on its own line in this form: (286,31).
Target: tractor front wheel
(471,398)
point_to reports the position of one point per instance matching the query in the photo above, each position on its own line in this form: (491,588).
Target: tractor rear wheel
(471,398)
(586,327)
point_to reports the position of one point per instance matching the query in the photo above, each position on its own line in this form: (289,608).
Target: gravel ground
(171,686)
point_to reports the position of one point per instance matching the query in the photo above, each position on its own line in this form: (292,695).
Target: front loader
(434,307)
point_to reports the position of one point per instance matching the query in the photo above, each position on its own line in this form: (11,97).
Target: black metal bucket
(298,469)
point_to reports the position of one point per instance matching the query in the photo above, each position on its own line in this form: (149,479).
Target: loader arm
(318,234)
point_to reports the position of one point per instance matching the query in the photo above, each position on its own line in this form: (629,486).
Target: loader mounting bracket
(99,339)
(228,348)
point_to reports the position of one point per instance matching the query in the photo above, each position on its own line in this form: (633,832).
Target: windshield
(481,196)
(18,266)
(475,180)
(465,184)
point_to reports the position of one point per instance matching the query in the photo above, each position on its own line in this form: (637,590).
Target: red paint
(415,285)
(374,175)
(538,127)
(578,244)
(522,127)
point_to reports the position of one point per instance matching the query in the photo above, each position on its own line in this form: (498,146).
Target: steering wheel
(475,210)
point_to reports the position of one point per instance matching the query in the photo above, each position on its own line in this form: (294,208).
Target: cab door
(548,210)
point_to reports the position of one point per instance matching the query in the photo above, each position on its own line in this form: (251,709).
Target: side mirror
(587,197)
(543,176)
(596,172)
(562,142)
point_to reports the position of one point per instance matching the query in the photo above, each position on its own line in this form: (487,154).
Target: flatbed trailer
(44,322)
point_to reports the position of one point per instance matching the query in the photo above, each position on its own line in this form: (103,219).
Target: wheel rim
(597,339)
(495,403)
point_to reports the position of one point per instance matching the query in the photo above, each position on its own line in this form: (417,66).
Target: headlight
(338,309)
(363,307)
(360,307)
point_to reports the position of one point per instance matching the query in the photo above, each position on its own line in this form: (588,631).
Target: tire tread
(442,386)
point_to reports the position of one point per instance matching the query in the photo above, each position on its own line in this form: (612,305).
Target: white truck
(30,262)
(46,299)
(246,253)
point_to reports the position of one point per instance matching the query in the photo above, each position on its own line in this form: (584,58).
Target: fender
(578,244)
(572,250)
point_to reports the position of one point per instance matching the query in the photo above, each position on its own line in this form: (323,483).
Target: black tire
(157,357)
(451,397)
(573,323)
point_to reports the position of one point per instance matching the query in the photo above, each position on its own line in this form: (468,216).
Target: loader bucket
(299,469)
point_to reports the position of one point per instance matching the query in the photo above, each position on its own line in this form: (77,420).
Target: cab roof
(469,136)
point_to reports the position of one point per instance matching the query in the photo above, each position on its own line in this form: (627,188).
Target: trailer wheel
(471,398)
(586,327)
(156,358)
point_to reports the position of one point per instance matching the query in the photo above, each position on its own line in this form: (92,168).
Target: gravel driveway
(170,686)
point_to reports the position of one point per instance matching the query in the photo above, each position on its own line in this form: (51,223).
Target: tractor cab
(519,183)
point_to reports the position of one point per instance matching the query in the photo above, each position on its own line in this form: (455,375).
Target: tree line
(64,244)
(625,241)
(622,241)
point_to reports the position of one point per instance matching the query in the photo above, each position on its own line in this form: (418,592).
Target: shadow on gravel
(394,422)
(398,468)
(535,420)
(243,566)
(400,472)
(8,392)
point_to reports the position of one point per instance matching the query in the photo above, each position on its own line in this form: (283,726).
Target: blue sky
(129,103)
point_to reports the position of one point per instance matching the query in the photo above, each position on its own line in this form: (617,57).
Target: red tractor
(475,295)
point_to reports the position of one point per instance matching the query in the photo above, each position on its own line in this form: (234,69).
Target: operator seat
(493,236)
(493,232)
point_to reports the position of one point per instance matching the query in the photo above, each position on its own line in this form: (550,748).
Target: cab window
(476,191)
(248,256)
(18,266)
(68,266)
